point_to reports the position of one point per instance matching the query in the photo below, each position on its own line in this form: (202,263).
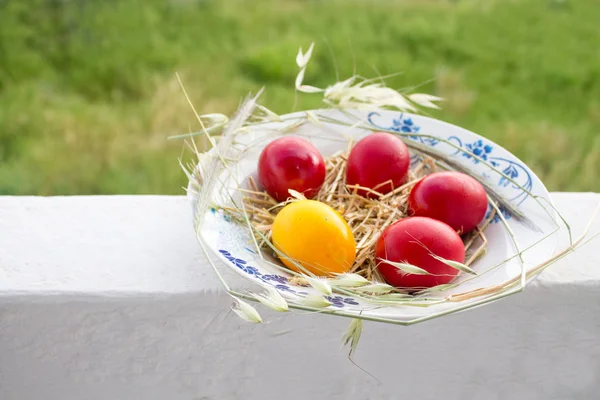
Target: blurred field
(88,93)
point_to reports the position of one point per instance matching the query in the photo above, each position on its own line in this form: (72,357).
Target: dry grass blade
(352,335)
(246,312)
(406,268)
(454,264)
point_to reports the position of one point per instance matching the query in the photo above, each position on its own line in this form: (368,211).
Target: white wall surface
(110,298)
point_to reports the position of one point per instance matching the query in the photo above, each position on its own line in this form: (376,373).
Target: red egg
(291,163)
(412,240)
(377,159)
(451,197)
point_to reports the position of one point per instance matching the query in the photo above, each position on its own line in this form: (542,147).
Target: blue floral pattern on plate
(277,281)
(339,301)
(479,149)
(497,217)
(286,288)
(275,278)
(476,151)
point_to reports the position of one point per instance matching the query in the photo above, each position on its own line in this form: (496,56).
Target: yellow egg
(316,236)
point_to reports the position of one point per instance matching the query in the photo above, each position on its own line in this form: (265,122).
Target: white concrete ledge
(109,297)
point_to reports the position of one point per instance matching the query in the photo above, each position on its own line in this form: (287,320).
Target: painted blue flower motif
(511,172)
(275,278)
(496,219)
(241,264)
(339,301)
(479,149)
(238,262)
(430,141)
(405,125)
(286,288)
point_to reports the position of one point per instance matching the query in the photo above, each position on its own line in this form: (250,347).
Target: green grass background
(88,92)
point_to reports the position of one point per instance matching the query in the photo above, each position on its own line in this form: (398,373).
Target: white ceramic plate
(233,244)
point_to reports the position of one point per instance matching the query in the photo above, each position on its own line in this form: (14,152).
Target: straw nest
(366,217)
